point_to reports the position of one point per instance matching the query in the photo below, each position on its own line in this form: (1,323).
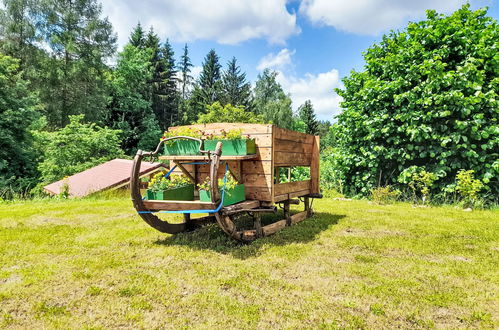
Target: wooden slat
(278,225)
(314,167)
(290,187)
(179,205)
(283,197)
(282,159)
(260,193)
(285,134)
(292,146)
(257,180)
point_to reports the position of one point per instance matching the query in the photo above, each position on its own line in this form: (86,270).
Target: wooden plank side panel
(178,205)
(284,159)
(286,134)
(290,187)
(292,146)
(314,167)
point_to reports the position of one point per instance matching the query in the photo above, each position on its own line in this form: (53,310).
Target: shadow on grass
(211,237)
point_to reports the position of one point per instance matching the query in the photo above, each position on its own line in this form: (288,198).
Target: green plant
(232,134)
(468,187)
(427,95)
(230,184)
(216,113)
(384,195)
(181,131)
(419,181)
(160,183)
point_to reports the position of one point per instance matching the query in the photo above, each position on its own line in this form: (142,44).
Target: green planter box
(185,193)
(182,147)
(233,147)
(232,196)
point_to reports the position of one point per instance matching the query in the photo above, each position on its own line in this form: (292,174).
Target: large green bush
(75,148)
(427,98)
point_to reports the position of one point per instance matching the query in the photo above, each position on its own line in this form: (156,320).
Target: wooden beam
(240,206)
(185,171)
(314,167)
(289,187)
(161,205)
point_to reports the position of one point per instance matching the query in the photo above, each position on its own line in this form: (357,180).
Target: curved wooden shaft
(149,218)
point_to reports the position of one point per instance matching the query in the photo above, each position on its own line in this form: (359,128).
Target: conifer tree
(137,38)
(184,67)
(78,42)
(271,101)
(169,89)
(236,90)
(307,115)
(210,78)
(208,88)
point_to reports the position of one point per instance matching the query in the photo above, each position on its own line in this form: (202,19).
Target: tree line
(59,66)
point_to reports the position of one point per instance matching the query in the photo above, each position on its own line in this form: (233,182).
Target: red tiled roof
(108,175)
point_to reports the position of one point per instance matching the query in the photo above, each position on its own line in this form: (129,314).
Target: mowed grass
(95,264)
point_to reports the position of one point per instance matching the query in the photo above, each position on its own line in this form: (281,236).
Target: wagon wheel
(150,218)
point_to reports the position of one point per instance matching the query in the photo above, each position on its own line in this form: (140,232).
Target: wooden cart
(275,148)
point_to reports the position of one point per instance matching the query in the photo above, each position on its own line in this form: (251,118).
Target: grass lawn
(96,264)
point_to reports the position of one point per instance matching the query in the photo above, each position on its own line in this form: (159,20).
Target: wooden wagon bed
(275,148)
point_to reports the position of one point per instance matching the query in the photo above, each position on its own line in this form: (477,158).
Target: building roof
(111,174)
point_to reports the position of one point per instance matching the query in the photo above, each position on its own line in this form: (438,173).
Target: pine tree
(79,41)
(307,115)
(185,86)
(271,102)
(137,38)
(210,78)
(185,66)
(170,96)
(208,88)
(236,90)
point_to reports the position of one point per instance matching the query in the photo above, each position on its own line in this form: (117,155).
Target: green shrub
(427,96)
(384,195)
(468,187)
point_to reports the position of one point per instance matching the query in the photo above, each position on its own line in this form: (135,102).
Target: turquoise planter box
(185,193)
(237,147)
(181,147)
(232,196)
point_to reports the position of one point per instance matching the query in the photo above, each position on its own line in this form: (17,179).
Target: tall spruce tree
(169,87)
(79,42)
(307,115)
(138,37)
(208,88)
(210,78)
(236,90)
(184,68)
(271,102)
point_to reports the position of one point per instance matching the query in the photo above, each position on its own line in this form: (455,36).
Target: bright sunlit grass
(94,263)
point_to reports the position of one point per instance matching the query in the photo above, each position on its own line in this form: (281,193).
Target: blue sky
(312,44)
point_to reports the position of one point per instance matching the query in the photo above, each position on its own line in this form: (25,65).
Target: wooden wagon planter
(275,148)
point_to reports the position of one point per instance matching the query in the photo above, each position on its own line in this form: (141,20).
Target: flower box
(181,147)
(237,147)
(232,196)
(185,193)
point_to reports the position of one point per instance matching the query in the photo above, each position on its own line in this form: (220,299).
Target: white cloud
(372,17)
(279,61)
(319,89)
(224,21)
